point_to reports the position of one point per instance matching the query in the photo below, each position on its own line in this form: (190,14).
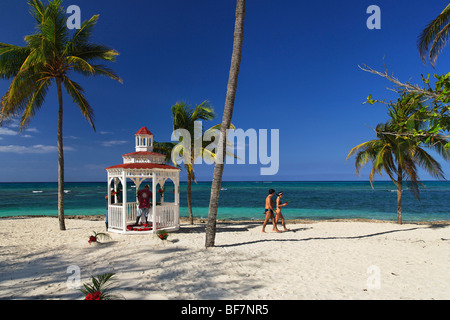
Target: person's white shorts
(143,211)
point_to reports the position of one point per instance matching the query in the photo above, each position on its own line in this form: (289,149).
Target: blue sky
(299,74)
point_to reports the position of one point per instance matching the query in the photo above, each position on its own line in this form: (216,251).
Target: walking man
(269,212)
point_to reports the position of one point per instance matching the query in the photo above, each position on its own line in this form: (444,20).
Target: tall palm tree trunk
(226,121)
(399,195)
(189,199)
(62,225)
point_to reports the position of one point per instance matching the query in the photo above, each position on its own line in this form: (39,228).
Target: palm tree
(398,152)
(226,121)
(184,117)
(434,37)
(50,55)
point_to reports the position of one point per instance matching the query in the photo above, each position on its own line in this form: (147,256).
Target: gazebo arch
(139,166)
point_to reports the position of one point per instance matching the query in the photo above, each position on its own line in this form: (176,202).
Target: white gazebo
(138,166)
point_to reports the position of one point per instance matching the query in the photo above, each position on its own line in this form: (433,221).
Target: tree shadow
(39,274)
(317,238)
(237,226)
(439,225)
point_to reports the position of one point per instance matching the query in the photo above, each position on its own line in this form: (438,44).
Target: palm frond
(182,117)
(361,147)
(434,37)
(437,144)
(53,25)
(91,52)
(35,103)
(108,72)
(103,283)
(204,111)
(11,59)
(77,94)
(82,36)
(37,10)
(79,64)
(426,161)
(19,93)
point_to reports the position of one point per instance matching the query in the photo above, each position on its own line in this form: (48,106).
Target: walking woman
(278,211)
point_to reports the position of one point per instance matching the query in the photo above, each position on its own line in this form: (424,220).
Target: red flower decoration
(94,296)
(92,239)
(163,235)
(160,190)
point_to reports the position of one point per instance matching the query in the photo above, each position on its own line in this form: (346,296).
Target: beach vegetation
(434,99)
(434,37)
(96,236)
(163,235)
(50,55)
(100,288)
(399,151)
(434,92)
(184,118)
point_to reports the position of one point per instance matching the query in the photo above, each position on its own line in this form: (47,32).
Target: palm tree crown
(50,54)
(400,155)
(185,117)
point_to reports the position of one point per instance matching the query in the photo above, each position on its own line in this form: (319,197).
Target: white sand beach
(315,260)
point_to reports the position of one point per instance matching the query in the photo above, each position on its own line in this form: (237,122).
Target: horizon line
(273,181)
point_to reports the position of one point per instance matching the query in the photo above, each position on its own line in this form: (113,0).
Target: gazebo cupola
(144,140)
(144,149)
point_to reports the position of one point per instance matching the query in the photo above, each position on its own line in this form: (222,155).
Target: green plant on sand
(101,288)
(163,235)
(99,236)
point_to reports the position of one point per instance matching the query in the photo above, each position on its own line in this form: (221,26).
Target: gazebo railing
(167,216)
(131,211)
(115,220)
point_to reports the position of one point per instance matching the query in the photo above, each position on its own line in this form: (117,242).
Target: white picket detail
(115,220)
(131,211)
(166,216)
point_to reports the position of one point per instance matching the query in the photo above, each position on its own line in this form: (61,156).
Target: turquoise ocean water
(245,200)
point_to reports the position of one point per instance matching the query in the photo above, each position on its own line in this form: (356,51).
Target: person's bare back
(269,202)
(269,212)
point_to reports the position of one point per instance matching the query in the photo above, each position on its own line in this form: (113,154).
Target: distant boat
(223,189)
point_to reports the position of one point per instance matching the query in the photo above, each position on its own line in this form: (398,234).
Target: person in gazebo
(144,197)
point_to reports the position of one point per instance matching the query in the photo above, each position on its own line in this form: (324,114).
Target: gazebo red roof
(144,130)
(142,166)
